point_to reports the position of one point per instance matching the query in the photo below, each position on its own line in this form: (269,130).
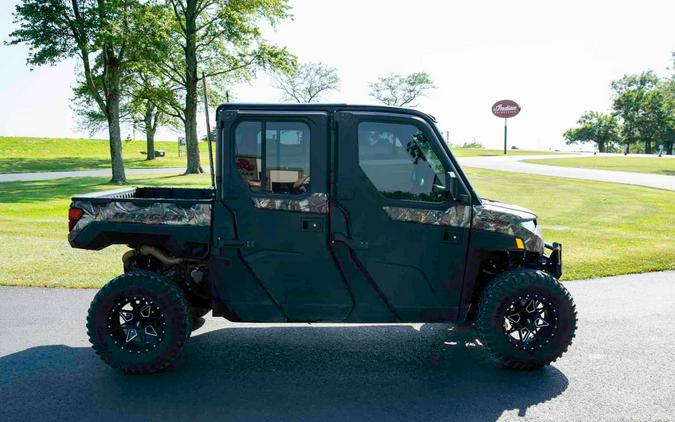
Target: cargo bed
(178,219)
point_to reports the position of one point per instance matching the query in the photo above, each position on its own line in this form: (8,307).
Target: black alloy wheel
(136,324)
(530,322)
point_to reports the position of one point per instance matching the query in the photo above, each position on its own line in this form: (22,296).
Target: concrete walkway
(22,177)
(515,164)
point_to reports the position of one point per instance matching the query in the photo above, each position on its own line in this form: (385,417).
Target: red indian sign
(505,108)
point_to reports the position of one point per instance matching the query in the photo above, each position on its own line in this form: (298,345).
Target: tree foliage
(643,115)
(223,40)
(602,129)
(667,89)
(105,35)
(642,108)
(401,91)
(307,82)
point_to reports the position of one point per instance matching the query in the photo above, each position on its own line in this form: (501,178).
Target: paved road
(515,164)
(50,175)
(508,163)
(621,367)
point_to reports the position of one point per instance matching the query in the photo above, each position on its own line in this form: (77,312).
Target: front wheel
(138,322)
(526,319)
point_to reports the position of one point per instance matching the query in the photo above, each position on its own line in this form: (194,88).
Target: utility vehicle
(333,213)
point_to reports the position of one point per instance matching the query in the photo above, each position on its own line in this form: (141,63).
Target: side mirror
(455,188)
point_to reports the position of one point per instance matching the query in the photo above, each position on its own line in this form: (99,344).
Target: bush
(472,144)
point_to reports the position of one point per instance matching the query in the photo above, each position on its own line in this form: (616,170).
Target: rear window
(277,163)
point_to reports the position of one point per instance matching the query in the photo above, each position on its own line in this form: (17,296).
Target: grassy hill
(18,155)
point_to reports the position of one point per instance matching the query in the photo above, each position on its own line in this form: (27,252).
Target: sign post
(505,136)
(181,145)
(505,109)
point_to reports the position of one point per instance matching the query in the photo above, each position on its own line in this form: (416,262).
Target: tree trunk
(191,78)
(648,146)
(113,116)
(118,175)
(149,131)
(601,147)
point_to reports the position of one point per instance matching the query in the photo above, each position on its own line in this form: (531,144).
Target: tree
(149,117)
(639,108)
(400,91)
(603,129)
(139,101)
(149,94)
(103,34)
(307,82)
(667,89)
(223,39)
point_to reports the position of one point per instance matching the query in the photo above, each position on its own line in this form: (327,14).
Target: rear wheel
(138,322)
(526,319)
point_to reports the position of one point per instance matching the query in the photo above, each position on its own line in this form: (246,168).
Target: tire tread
(154,282)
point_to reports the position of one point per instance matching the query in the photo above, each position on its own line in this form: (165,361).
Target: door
(275,188)
(406,236)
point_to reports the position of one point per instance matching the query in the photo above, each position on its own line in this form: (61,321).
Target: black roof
(328,107)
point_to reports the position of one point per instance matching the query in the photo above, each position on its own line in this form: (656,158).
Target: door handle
(312,225)
(452,236)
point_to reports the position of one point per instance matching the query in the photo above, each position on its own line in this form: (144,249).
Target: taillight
(74,215)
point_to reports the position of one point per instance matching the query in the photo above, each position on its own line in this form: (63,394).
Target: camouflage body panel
(511,220)
(155,213)
(458,216)
(316,203)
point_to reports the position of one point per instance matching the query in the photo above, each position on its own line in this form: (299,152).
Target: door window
(399,161)
(276,163)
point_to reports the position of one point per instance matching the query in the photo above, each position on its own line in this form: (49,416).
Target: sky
(556,59)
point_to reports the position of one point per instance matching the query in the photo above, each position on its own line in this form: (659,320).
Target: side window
(277,162)
(399,161)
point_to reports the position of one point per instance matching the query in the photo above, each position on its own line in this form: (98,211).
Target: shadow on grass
(27,165)
(23,165)
(327,373)
(41,190)
(44,190)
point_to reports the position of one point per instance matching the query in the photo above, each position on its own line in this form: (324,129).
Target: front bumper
(552,264)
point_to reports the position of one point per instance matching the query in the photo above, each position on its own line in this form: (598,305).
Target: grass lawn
(605,228)
(654,164)
(33,230)
(20,155)
(603,232)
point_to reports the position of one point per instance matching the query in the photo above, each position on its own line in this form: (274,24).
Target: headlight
(531,233)
(531,226)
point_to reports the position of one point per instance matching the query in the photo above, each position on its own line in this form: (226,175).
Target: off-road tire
(169,302)
(516,287)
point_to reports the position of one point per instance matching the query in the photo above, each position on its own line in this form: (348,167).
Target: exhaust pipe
(161,256)
(152,251)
